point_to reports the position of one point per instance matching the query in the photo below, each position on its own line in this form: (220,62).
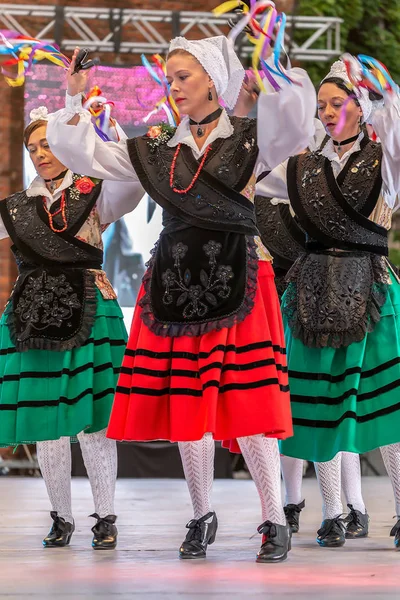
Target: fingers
(73,61)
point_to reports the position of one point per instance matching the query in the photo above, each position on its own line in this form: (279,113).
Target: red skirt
(232,382)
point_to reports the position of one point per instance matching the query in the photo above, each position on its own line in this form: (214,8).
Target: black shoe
(60,533)
(332,533)
(276,542)
(357,524)
(292,513)
(105,532)
(395,531)
(199,536)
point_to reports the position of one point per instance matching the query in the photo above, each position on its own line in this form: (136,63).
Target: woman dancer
(62,336)
(207,329)
(342,304)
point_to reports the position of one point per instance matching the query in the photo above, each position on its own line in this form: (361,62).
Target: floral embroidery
(47,301)
(196,299)
(160,134)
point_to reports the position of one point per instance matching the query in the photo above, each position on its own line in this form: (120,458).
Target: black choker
(52,182)
(209,119)
(60,176)
(344,142)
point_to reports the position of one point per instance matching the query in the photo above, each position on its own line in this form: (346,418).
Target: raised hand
(76,82)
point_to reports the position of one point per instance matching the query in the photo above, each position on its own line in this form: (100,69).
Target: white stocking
(292,471)
(100,458)
(351,480)
(329,480)
(198,465)
(391,458)
(262,458)
(54,459)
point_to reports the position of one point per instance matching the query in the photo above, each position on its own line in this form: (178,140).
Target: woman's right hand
(76,82)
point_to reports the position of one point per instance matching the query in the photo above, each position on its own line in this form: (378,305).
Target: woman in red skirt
(206,356)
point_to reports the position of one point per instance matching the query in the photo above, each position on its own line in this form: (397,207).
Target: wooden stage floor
(152,515)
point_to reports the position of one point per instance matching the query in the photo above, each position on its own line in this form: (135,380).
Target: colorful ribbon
(262,18)
(158,72)
(26,51)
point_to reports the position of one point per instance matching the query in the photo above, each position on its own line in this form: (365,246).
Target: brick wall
(11,128)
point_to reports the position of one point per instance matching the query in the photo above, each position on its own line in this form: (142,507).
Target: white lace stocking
(329,480)
(391,458)
(292,471)
(351,480)
(100,458)
(262,458)
(54,459)
(198,465)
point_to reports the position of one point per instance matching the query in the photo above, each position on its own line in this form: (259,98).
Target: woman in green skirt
(342,306)
(62,335)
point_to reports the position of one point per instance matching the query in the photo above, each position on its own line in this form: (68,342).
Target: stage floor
(152,515)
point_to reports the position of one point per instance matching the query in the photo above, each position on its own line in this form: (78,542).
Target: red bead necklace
(172,171)
(62,210)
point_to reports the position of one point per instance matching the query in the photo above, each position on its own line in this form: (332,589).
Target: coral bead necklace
(62,210)
(172,171)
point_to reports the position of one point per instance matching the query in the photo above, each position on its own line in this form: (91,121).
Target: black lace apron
(203,272)
(54,298)
(334,297)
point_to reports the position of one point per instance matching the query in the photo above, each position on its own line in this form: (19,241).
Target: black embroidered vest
(281,235)
(203,272)
(54,298)
(337,289)
(334,212)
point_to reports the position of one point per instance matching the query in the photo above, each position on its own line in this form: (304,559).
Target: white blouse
(114,201)
(386,124)
(285,125)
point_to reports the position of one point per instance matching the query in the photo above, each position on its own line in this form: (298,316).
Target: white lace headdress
(39,114)
(219,59)
(338,69)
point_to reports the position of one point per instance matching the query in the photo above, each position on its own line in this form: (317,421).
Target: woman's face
(330,102)
(44,161)
(189,83)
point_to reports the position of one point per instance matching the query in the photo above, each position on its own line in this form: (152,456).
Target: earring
(210,96)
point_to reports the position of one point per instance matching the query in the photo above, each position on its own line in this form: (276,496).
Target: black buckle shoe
(276,542)
(60,533)
(395,531)
(292,514)
(199,536)
(332,533)
(357,524)
(105,532)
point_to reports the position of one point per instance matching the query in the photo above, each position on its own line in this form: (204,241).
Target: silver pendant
(200,132)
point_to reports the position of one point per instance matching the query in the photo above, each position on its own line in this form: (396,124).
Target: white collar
(38,187)
(330,153)
(183,135)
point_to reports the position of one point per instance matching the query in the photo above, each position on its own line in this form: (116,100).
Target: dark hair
(340,84)
(31,128)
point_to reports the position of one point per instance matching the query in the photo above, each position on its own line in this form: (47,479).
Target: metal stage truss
(149,31)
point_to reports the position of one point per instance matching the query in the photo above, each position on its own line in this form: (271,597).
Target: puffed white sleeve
(286,118)
(274,184)
(386,124)
(80,149)
(116,199)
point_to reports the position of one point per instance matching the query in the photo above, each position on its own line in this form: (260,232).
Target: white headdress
(219,59)
(39,114)
(338,69)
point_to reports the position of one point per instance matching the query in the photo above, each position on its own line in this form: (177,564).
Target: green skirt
(347,398)
(46,395)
